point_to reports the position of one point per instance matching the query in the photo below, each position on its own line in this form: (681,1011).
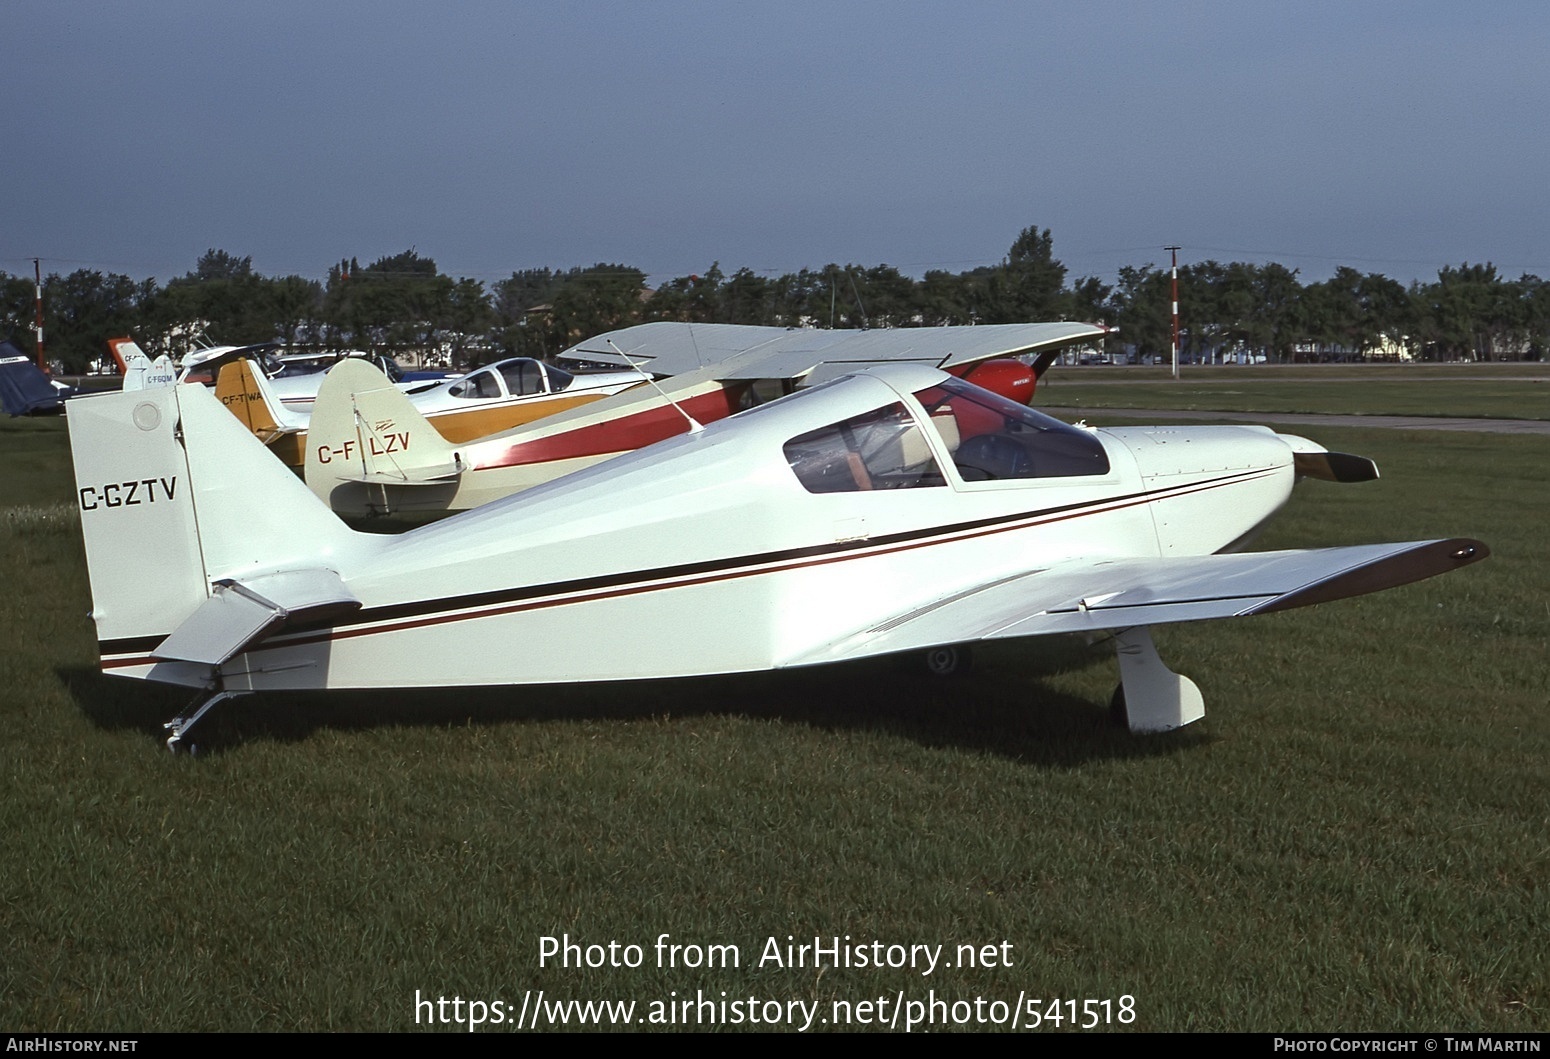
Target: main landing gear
(1150,696)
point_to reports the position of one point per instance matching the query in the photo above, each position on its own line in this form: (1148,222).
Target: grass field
(1498,391)
(1355,838)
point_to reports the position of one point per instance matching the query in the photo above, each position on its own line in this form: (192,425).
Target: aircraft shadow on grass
(1005,706)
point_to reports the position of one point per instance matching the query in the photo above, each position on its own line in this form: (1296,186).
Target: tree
(1209,319)
(591,301)
(943,299)
(85,309)
(1467,314)
(1028,286)
(1143,305)
(218,264)
(1534,294)
(1355,312)
(389,305)
(747,298)
(293,305)
(512,300)
(1276,326)
(467,318)
(222,297)
(17,310)
(693,299)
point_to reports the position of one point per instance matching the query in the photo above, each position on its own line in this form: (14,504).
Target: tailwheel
(179,726)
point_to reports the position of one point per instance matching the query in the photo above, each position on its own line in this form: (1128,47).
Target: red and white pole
(37,287)
(1174,250)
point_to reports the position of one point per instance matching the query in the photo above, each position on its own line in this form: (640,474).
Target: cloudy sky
(494,136)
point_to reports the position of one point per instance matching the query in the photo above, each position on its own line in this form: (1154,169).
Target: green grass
(1526,398)
(1353,839)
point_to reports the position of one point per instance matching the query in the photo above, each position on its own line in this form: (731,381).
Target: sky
(1396,138)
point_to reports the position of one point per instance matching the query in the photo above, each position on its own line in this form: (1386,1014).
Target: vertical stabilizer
(366,435)
(137,512)
(121,350)
(252,400)
(175,495)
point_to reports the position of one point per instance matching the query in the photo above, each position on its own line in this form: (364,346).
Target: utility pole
(1174,250)
(37,281)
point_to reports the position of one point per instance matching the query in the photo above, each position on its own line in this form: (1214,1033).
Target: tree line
(405,304)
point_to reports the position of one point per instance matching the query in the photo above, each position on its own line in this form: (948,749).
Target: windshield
(992,438)
(559,378)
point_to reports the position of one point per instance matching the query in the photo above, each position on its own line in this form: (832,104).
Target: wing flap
(1117,594)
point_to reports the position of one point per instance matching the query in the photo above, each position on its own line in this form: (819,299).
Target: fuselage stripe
(400,617)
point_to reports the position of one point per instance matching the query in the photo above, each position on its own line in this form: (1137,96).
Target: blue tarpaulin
(23,388)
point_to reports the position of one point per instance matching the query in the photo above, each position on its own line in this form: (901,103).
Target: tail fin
(143,374)
(251,399)
(170,469)
(365,433)
(123,350)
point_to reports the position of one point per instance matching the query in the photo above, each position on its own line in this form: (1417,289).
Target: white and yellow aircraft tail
(251,399)
(366,438)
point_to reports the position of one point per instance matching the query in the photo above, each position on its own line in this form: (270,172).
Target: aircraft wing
(737,351)
(1094,596)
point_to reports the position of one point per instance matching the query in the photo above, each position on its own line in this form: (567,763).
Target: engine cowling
(1008,378)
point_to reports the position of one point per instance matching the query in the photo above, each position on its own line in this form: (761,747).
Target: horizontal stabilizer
(239,614)
(419,476)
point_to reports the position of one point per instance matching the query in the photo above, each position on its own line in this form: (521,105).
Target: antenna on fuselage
(695,426)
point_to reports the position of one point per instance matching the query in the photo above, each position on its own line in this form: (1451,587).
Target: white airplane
(518,390)
(895,510)
(293,379)
(198,365)
(370,453)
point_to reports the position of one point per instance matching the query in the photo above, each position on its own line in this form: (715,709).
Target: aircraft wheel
(952,660)
(1119,714)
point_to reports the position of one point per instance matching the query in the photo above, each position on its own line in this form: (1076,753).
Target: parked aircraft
(198,365)
(519,390)
(813,355)
(370,454)
(298,376)
(293,379)
(895,510)
(139,371)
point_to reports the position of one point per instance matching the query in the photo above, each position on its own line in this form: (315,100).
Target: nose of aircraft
(1211,488)
(1172,452)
